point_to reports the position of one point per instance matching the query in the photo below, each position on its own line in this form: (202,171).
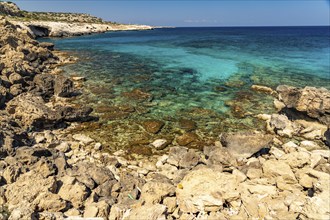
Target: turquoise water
(200,74)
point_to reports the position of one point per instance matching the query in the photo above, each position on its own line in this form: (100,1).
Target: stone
(189,159)
(63,147)
(51,203)
(311,129)
(45,84)
(150,212)
(310,100)
(187,138)
(275,168)
(83,138)
(63,86)
(154,192)
(160,144)
(11,173)
(31,111)
(187,125)
(170,203)
(309,145)
(297,159)
(277,152)
(153,126)
(138,95)
(263,89)
(206,190)
(219,156)
(73,191)
(245,144)
(31,185)
(281,125)
(290,147)
(253,173)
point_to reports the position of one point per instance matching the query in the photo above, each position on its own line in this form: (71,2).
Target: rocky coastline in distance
(279,173)
(51,24)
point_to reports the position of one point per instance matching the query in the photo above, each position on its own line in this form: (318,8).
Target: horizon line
(229,26)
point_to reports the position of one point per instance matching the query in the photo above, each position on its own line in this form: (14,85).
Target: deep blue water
(203,74)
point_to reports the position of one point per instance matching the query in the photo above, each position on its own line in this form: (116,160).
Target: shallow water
(200,74)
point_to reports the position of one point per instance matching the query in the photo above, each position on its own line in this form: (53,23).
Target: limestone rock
(206,190)
(244,145)
(314,101)
(151,212)
(274,168)
(73,191)
(154,192)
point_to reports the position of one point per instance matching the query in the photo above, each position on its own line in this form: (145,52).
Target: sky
(194,13)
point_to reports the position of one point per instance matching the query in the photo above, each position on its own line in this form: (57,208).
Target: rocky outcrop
(10,9)
(314,102)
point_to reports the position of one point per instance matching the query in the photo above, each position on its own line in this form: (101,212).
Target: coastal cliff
(51,24)
(47,172)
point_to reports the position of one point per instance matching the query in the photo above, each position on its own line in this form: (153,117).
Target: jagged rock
(73,191)
(83,138)
(72,114)
(219,156)
(282,126)
(31,111)
(154,192)
(45,84)
(275,168)
(245,144)
(11,135)
(315,102)
(10,8)
(30,185)
(63,86)
(206,190)
(99,209)
(152,212)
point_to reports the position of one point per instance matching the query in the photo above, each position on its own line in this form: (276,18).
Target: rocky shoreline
(50,24)
(46,173)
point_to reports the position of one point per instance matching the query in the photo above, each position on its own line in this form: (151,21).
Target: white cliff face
(64,29)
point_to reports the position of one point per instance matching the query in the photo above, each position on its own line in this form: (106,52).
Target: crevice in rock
(39,31)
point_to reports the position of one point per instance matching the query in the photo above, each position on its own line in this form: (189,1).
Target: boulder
(45,85)
(206,190)
(31,111)
(153,192)
(31,185)
(315,102)
(73,191)
(245,144)
(150,212)
(153,126)
(277,168)
(63,86)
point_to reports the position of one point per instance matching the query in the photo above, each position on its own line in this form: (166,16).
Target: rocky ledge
(46,173)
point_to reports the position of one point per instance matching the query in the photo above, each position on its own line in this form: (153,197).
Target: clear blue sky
(195,13)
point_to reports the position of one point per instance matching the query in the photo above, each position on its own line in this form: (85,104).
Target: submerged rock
(153,126)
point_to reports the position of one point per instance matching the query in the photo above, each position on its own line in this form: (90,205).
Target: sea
(200,76)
